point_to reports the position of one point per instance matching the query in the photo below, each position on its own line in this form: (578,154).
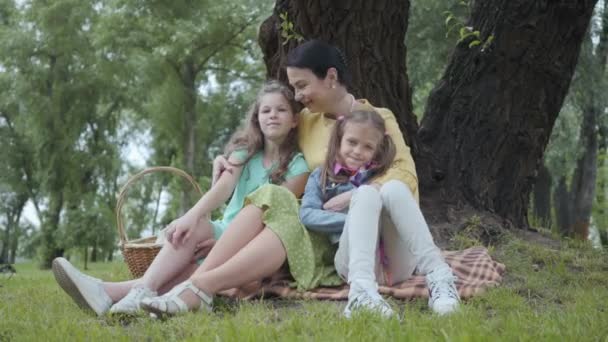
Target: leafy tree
(188,55)
(576,186)
(490,115)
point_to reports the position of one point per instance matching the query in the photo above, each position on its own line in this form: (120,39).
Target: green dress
(309,255)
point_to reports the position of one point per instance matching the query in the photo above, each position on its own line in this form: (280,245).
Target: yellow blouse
(314,130)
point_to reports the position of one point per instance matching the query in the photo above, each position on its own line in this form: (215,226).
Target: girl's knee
(367,190)
(367,196)
(396,189)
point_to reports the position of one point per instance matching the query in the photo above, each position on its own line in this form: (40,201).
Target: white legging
(393,214)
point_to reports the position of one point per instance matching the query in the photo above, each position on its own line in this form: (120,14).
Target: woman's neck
(343,105)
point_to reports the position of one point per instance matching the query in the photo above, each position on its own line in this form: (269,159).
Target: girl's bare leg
(260,258)
(243,229)
(171,266)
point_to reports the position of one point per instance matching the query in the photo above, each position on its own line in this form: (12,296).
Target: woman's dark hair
(318,57)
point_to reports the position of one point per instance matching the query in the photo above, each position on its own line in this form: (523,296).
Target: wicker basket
(139,253)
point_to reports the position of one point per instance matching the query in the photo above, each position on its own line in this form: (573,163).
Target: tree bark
(542,196)
(489,118)
(188,78)
(370,33)
(563,206)
(585,175)
(583,184)
(50,250)
(86,258)
(6,239)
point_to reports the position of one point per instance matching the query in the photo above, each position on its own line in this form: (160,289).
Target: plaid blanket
(473,267)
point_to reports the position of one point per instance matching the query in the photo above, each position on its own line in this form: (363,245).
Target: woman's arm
(403,168)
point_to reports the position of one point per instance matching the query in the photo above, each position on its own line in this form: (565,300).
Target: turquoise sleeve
(239,155)
(297,166)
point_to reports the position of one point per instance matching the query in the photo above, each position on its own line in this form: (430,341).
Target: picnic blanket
(473,267)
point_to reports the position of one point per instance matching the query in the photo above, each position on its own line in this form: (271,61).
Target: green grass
(546,295)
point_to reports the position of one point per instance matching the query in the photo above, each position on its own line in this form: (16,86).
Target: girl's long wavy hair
(251,138)
(385,151)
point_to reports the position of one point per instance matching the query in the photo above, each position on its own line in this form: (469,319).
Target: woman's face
(311,91)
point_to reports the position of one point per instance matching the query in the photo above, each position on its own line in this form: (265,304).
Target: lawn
(556,292)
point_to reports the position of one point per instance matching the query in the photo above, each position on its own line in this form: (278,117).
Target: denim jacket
(312,214)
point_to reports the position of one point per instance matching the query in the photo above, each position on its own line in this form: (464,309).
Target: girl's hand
(202,249)
(339,203)
(220,164)
(179,231)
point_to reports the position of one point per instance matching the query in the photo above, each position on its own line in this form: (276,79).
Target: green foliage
(430,45)
(287,31)
(83,82)
(428,50)
(587,90)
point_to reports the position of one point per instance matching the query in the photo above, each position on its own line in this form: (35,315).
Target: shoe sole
(70,288)
(158,313)
(164,315)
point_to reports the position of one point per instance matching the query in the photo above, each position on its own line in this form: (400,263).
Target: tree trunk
(370,33)
(563,206)
(188,78)
(542,196)
(585,176)
(6,239)
(583,184)
(86,258)
(50,249)
(14,246)
(489,118)
(94,253)
(111,255)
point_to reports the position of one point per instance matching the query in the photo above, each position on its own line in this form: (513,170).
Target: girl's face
(358,145)
(275,116)
(310,90)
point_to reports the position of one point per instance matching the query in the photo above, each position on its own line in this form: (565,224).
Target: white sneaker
(443,295)
(367,298)
(130,303)
(85,290)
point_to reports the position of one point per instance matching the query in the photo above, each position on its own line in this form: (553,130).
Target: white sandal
(170,304)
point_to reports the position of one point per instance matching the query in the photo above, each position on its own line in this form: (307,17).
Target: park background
(502,102)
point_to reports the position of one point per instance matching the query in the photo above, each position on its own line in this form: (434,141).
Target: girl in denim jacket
(380,238)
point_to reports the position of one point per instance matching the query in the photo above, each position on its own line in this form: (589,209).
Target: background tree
(489,118)
(577,146)
(371,35)
(187,55)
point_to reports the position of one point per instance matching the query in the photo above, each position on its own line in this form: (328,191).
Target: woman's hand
(202,249)
(220,164)
(180,230)
(339,203)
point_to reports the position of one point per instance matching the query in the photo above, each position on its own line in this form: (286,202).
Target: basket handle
(121,196)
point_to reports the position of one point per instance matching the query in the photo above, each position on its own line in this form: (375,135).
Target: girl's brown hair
(385,151)
(250,137)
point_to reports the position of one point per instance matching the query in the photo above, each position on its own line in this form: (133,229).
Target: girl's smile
(275,116)
(358,145)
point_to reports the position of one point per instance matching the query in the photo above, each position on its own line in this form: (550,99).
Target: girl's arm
(312,214)
(296,184)
(179,230)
